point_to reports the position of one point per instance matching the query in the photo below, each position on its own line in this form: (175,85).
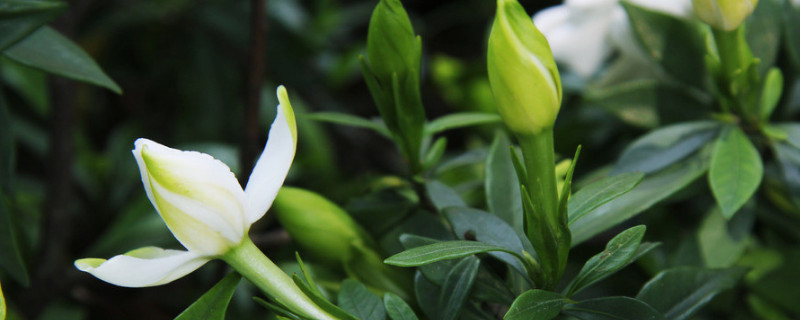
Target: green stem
(251,263)
(538,153)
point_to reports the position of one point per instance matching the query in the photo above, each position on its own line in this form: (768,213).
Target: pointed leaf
(456,288)
(502,185)
(427,294)
(736,171)
(536,305)
(278,310)
(358,301)
(350,120)
(48,50)
(613,308)
(10,254)
(601,192)
(666,146)
(213,304)
(21,17)
(489,229)
(619,253)
(443,196)
(440,251)
(680,292)
(396,308)
(460,120)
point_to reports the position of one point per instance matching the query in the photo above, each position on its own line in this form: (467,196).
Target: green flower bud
(391,44)
(522,73)
(724,14)
(319,226)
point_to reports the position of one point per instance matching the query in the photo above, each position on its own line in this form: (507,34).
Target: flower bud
(391,44)
(724,14)
(318,225)
(522,73)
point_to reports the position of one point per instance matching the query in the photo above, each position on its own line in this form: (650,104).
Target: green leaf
(460,120)
(502,185)
(791,20)
(721,241)
(427,294)
(680,292)
(435,153)
(619,253)
(736,171)
(7,148)
(278,310)
(601,192)
(456,288)
(443,196)
(396,308)
(650,191)
(763,33)
(2,304)
(666,146)
(357,300)
(613,308)
(675,44)
(441,251)
(213,304)
(770,93)
(10,252)
(536,305)
(316,296)
(350,120)
(18,18)
(48,50)
(488,229)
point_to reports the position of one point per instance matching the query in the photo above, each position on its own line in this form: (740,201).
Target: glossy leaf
(21,17)
(488,229)
(427,294)
(213,304)
(350,120)
(601,192)
(679,293)
(460,120)
(770,93)
(619,253)
(48,50)
(666,146)
(396,308)
(443,196)
(502,185)
(440,251)
(357,300)
(736,171)
(613,308)
(456,288)
(536,305)
(650,191)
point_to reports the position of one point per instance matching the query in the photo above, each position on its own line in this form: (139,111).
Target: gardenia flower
(202,203)
(584,33)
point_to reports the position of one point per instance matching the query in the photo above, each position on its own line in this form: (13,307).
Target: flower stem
(538,153)
(251,263)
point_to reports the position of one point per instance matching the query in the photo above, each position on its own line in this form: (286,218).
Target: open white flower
(584,33)
(202,203)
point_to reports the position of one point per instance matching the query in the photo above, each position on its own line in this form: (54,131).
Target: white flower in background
(202,203)
(584,33)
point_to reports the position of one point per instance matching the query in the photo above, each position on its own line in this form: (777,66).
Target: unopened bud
(724,14)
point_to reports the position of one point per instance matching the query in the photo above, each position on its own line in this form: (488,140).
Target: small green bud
(724,14)
(318,225)
(522,73)
(391,44)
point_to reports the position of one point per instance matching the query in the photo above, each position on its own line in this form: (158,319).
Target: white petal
(198,197)
(677,8)
(272,167)
(145,267)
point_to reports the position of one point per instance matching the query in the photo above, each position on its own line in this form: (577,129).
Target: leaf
(48,50)
(317,298)
(680,292)
(7,148)
(770,93)
(664,147)
(489,229)
(619,253)
(358,301)
(396,308)
(350,120)
(736,171)
(18,18)
(460,120)
(456,288)
(10,252)
(440,251)
(435,153)
(791,20)
(2,304)
(278,310)
(763,33)
(213,304)
(651,190)
(676,44)
(536,305)
(502,185)
(443,196)
(613,308)
(427,294)
(601,192)
(721,241)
